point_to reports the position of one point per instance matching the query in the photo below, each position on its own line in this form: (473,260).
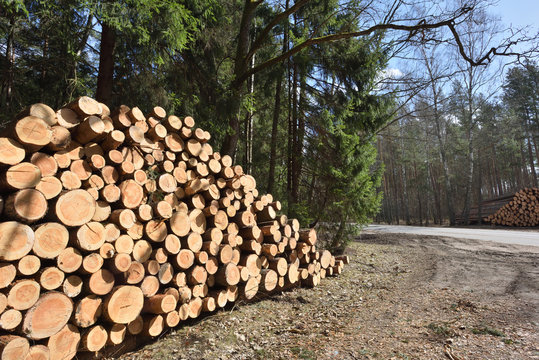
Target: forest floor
(401,297)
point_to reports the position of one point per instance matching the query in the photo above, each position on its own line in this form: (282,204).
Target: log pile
(521,210)
(121,224)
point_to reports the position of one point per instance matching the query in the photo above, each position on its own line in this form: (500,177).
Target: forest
(305,94)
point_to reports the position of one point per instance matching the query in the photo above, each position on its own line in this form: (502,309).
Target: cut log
(124,304)
(94,339)
(180,223)
(16,240)
(51,278)
(69,260)
(279,265)
(32,133)
(116,334)
(23,294)
(38,352)
(47,316)
(75,208)
(136,326)
(7,274)
(90,236)
(12,152)
(64,344)
(149,286)
(135,273)
(185,259)
(85,106)
(87,311)
(227,275)
(160,304)
(153,325)
(101,282)
(50,187)
(197,275)
(28,265)
(13,347)
(269,280)
(72,286)
(92,263)
(21,176)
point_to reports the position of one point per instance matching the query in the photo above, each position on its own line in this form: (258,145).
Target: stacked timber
(122,224)
(521,210)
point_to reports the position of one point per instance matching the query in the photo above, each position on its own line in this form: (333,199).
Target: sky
(518,12)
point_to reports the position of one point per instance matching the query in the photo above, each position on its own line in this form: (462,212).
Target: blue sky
(518,12)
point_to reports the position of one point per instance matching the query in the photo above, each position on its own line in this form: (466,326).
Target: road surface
(529,238)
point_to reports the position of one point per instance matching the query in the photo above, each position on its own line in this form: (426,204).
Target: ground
(401,297)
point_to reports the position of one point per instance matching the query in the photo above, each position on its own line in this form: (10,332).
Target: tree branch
(257,44)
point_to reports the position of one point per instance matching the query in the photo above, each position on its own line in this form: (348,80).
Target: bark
(241,67)
(10,56)
(274,127)
(105,76)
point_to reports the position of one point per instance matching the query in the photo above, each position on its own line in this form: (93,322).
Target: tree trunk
(274,127)
(105,76)
(241,65)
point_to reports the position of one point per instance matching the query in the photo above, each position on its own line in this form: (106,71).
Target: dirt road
(402,297)
(530,238)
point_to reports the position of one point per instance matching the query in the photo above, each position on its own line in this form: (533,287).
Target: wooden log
(229,274)
(116,334)
(124,218)
(196,275)
(153,325)
(180,223)
(249,290)
(253,263)
(136,326)
(69,260)
(90,236)
(149,285)
(13,347)
(135,273)
(124,304)
(28,265)
(166,273)
(92,263)
(23,294)
(70,180)
(72,286)
(159,304)
(47,316)
(94,339)
(87,311)
(156,230)
(64,344)
(172,244)
(12,152)
(131,194)
(85,106)
(32,133)
(184,260)
(279,265)
(38,352)
(16,240)
(101,282)
(269,280)
(20,176)
(10,319)
(75,207)
(7,274)
(51,278)
(50,187)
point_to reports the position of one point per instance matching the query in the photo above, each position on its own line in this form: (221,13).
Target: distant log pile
(121,224)
(521,210)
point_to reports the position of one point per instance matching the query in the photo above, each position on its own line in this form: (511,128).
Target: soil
(401,297)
